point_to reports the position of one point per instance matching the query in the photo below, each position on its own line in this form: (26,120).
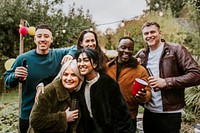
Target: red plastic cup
(138,85)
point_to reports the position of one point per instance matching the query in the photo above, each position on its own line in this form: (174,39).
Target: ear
(94,65)
(160,33)
(51,39)
(81,44)
(35,40)
(117,49)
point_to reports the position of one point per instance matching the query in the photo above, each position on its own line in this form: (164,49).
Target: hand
(21,72)
(71,115)
(66,58)
(140,96)
(139,60)
(39,88)
(156,82)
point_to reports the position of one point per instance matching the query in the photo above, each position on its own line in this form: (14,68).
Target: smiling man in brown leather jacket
(174,69)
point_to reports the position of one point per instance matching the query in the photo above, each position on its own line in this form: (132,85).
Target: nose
(126,50)
(149,35)
(90,45)
(42,38)
(69,77)
(81,63)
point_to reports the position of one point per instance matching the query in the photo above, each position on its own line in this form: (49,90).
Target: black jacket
(109,109)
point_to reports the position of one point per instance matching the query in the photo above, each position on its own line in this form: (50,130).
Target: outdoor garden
(179,20)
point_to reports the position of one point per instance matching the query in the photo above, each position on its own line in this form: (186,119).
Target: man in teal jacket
(41,62)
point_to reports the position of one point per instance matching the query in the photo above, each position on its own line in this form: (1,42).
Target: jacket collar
(166,47)
(132,63)
(112,62)
(61,91)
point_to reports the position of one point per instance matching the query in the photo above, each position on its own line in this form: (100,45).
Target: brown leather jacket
(179,70)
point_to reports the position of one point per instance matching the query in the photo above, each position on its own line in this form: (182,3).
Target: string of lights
(121,22)
(109,23)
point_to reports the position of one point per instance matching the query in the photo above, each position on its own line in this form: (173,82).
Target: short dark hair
(92,54)
(43,26)
(148,23)
(127,37)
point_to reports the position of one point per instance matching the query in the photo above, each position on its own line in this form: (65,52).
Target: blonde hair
(74,66)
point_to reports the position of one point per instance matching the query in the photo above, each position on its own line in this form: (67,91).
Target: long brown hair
(102,55)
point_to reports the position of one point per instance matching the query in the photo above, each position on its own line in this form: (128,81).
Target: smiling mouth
(69,83)
(43,45)
(82,69)
(150,39)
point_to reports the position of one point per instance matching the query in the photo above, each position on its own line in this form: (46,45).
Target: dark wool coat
(49,114)
(109,109)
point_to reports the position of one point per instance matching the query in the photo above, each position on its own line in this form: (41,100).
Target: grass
(9,112)
(9,97)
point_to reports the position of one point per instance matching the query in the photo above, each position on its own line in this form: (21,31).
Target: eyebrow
(83,58)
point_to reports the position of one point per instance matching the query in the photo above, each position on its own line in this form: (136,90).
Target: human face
(70,80)
(43,39)
(89,41)
(125,50)
(86,67)
(152,36)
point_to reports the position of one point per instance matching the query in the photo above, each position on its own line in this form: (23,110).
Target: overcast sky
(107,11)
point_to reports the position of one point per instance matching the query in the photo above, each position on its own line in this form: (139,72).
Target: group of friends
(101,87)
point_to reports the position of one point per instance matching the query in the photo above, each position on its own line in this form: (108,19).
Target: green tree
(162,5)
(69,30)
(193,38)
(35,12)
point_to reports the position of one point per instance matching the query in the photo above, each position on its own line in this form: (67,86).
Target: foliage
(9,117)
(176,6)
(192,16)
(167,22)
(161,5)
(108,39)
(9,111)
(72,25)
(192,94)
(193,99)
(191,113)
(36,12)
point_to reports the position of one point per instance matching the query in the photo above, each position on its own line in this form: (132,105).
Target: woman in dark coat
(103,108)
(53,112)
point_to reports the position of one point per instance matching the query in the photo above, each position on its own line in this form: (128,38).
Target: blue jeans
(161,122)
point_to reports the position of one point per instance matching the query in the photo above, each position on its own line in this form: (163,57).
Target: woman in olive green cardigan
(53,113)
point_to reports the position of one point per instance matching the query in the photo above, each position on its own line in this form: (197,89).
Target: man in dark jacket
(173,69)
